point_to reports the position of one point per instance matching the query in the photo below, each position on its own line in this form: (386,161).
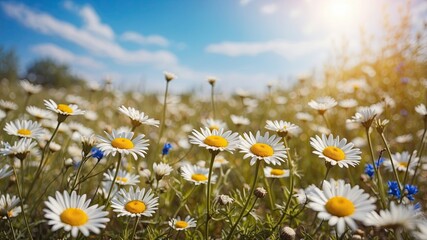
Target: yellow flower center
(135,206)
(199,177)
(277,172)
(24,131)
(262,150)
(403,164)
(340,206)
(10,214)
(122,143)
(74,217)
(216,141)
(334,153)
(213,127)
(121,179)
(64,108)
(181,224)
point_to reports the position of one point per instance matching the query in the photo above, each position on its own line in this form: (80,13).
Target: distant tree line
(45,71)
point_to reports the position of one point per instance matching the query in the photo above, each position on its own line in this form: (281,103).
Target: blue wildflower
(379,162)
(369,170)
(393,189)
(97,153)
(410,190)
(166,148)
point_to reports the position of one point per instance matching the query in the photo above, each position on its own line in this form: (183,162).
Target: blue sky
(244,43)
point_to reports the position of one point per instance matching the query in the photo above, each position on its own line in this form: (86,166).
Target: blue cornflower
(97,153)
(410,190)
(379,162)
(393,189)
(166,148)
(369,170)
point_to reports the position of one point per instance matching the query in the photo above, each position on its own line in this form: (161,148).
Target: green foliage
(8,64)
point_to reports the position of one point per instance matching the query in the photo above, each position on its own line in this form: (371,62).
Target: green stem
(114,179)
(419,163)
(377,172)
(270,190)
(134,228)
(213,101)
(21,202)
(78,173)
(419,152)
(252,206)
(208,194)
(247,201)
(184,201)
(326,121)
(162,124)
(392,162)
(11,226)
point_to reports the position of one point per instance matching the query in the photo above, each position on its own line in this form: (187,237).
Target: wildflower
(219,161)
(19,149)
(63,110)
(196,174)
(336,151)
(39,113)
(239,120)
(287,233)
(364,116)
(72,213)
(224,199)
(410,191)
(216,140)
(179,225)
(322,104)
(5,171)
(25,129)
(123,178)
(341,204)
(137,118)
(260,192)
(161,170)
(9,206)
(30,88)
(348,103)
(275,172)
(393,189)
(421,109)
(122,142)
(422,230)
(303,116)
(169,76)
(401,161)
(264,148)
(166,148)
(282,128)
(135,203)
(96,153)
(212,80)
(8,106)
(214,124)
(369,168)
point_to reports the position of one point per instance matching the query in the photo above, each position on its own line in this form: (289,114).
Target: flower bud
(260,192)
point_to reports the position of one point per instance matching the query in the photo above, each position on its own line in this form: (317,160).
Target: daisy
(2,114)
(364,116)
(275,172)
(401,160)
(179,225)
(322,104)
(348,103)
(422,230)
(25,129)
(8,105)
(161,170)
(197,175)
(30,88)
(121,142)
(40,113)
(123,178)
(282,128)
(72,213)
(421,109)
(136,203)
(219,161)
(9,206)
(266,148)
(215,140)
(398,217)
(303,116)
(137,118)
(214,124)
(239,120)
(336,151)
(5,172)
(340,204)
(63,110)
(19,149)
(169,76)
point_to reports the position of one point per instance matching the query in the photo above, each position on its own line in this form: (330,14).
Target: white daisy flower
(421,234)
(219,161)
(25,129)
(169,76)
(197,175)
(265,148)
(341,204)
(72,213)
(404,138)
(398,217)
(137,118)
(421,109)
(30,88)
(8,105)
(282,128)
(2,114)
(63,109)
(106,185)
(179,225)
(161,170)
(348,103)
(303,116)
(19,149)
(40,113)
(5,171)
(275,172)
(364,116)
(121,142)
(9,206)
(239,120)
(401,160)
(123,177)
(214,124)
(216,140)
(135,203)
(323,104)
(336,151)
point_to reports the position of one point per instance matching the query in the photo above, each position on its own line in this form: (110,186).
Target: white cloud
(144,40)
(245,2)
(289,50)
(85,38)
(65,56)
(269,8)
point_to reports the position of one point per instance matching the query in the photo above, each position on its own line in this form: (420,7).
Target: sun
(342,14)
